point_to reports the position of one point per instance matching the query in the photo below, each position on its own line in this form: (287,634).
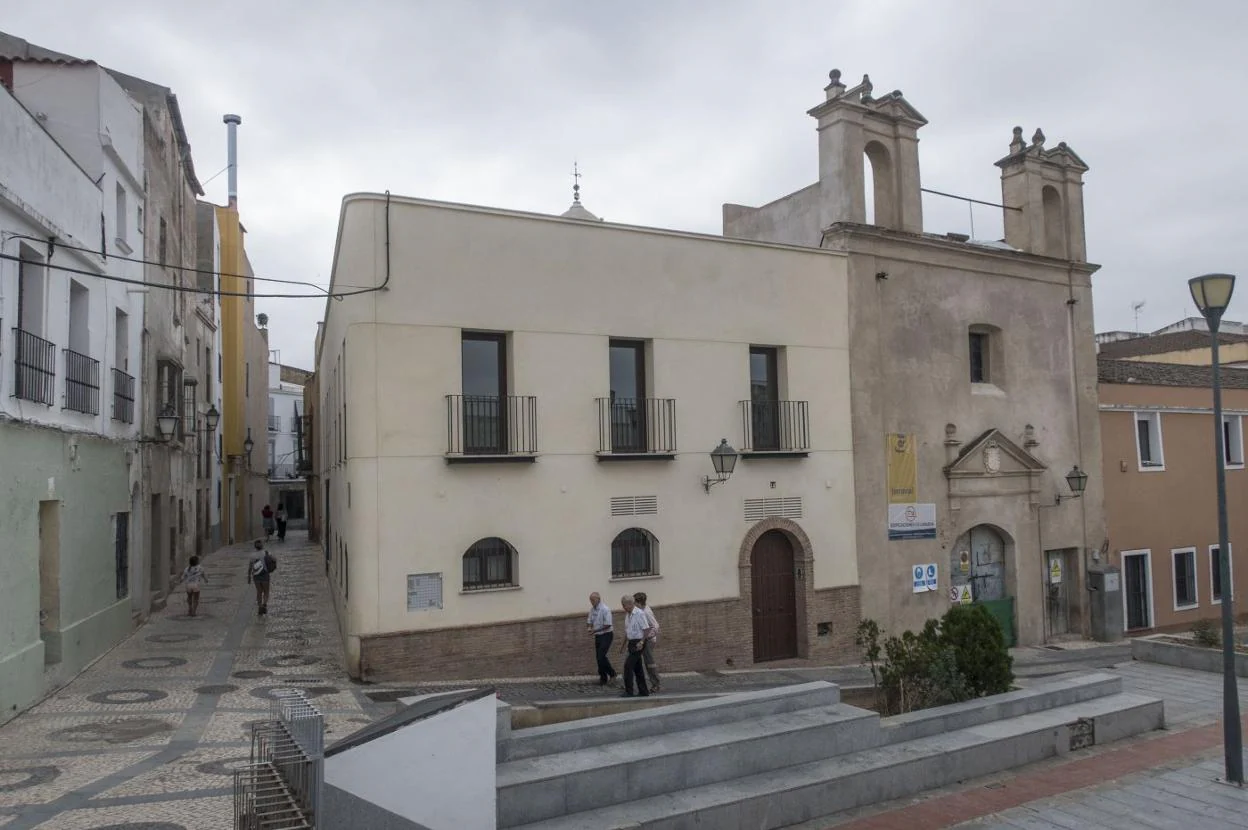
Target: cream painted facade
(398,504)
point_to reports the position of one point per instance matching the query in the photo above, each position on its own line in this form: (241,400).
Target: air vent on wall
(634,505)
(789,507)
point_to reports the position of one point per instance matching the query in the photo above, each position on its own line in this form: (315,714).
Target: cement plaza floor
(147,737)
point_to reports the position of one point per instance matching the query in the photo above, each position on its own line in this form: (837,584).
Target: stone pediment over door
(993,466)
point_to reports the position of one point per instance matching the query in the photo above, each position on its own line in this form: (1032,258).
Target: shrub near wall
(958,657)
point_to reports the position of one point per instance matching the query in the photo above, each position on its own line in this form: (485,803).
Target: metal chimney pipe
(232,122)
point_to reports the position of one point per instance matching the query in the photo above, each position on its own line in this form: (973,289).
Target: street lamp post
(1212,294)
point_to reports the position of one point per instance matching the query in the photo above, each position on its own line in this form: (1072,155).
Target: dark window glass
(628,393)
(979,357)
(1185,578)
(1215,564)
(1146,447)
(489,563)
(635,552)
(764,399)
(484,378)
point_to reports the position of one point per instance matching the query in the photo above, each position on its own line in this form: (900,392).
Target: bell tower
(853,123)
(1042,191)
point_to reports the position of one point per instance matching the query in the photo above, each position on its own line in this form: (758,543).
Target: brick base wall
(715,634)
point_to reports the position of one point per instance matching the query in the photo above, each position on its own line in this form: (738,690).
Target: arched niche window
(1054,223)
(634,552)
(490,563)
(880,197)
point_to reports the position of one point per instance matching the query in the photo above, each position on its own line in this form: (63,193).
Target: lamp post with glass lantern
(1212,294)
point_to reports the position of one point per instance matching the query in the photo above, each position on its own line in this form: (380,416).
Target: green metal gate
(1002,611)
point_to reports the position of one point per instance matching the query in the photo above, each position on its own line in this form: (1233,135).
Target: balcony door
(484,360)
(628,396)
(764,399)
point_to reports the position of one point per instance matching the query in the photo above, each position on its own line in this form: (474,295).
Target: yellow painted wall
(1228,353)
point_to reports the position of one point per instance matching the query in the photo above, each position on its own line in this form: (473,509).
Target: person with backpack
(258,571)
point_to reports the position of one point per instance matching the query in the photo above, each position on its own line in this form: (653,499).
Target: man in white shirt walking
(652,641)
(636,630)
(601,629)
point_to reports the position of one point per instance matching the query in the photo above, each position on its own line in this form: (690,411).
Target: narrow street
(147,737)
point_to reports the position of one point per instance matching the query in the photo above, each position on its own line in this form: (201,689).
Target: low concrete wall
(1061,691)
(1156,650)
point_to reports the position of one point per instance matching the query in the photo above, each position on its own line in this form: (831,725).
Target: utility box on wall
(1105,602)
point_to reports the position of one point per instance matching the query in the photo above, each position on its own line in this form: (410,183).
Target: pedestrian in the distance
(191,577)
(652,640)
(266,519)
(601,630)
(636,631)
(258,570)
(280,518)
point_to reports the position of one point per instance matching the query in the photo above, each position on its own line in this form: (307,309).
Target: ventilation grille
(789,507)
(634,505)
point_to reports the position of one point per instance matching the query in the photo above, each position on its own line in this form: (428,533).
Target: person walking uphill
(601,629)
(191,577)
(258,570)
(266,519)
(280,518)
(636,630)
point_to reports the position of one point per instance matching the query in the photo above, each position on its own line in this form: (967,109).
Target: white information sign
(925,578)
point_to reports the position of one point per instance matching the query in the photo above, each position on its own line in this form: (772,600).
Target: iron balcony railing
(34,364)
(491,425)
(775,426)
(275,423)
(82,383)
(637,426)
(123,397)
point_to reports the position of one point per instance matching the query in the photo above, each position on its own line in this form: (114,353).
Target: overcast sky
(675,108)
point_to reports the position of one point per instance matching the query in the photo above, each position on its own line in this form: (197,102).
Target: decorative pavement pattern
(147,737)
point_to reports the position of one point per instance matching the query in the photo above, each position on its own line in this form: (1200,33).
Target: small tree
(979,649)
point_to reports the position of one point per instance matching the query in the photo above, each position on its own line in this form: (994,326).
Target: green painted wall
(88,479)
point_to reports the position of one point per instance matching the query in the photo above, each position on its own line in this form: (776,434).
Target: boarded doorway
(1058,576)
(978,560)
(775,597)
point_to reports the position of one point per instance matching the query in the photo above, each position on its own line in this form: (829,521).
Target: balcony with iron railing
(484,428)
(82,383)
(636,429)
(275,423)
(123,397)
(34,368)
(775,429)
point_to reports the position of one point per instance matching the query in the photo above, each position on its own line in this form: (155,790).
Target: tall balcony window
(485,421)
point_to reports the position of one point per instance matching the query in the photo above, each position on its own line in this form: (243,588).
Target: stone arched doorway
(981,559)
(773,584)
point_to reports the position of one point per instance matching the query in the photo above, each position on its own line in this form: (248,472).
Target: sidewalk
(149,734)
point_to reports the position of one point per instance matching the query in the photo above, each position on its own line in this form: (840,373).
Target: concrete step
(643,723)
(804,792)
(544,787)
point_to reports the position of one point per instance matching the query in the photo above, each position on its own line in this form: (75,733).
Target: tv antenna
(1135,307)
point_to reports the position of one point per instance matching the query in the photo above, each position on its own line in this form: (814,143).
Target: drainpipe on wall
(1084,618)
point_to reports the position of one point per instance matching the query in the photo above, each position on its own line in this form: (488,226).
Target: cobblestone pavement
(147,736)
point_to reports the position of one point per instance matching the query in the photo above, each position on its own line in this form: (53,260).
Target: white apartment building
(524,413)
(286,452)
(69,351)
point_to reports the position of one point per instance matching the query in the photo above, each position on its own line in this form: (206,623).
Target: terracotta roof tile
(1143,373)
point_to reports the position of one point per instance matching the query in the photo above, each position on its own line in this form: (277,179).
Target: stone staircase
(773,758)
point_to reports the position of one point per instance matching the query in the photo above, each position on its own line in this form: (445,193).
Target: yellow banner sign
(903,469)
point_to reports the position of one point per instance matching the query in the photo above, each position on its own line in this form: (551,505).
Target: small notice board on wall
(911,521)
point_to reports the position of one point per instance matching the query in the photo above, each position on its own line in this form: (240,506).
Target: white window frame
(1154,418)
(1147,554)
(1174,579)
(1230,546)
(1237,441)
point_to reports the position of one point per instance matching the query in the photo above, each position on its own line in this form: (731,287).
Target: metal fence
(123,397)
(281,788)
(491,424)
(775,426)
(632,426)
(82,383)
(34,365)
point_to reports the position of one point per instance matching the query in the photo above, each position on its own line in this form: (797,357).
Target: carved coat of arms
(992,458)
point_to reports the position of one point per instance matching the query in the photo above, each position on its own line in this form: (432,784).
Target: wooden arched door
(774,597)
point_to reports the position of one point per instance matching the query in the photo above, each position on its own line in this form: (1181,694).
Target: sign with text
(903,468)
(911,521)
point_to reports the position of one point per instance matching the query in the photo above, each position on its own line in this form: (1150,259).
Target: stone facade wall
(695,636)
